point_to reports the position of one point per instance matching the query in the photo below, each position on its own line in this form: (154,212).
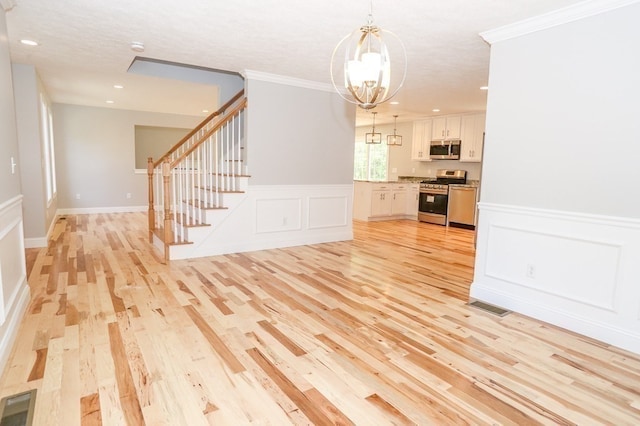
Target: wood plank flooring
(373,331)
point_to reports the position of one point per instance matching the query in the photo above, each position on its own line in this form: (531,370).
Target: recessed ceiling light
(435,110)
(118,86)
(137,46)
(109,102)
(29,42)
(205,110)
(394,103)
(484,87)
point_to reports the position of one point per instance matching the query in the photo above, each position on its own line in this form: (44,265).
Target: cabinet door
(472,135)
(399,203)
(439,129)
(413,198)
(381,203)
(453,127)
(421,140)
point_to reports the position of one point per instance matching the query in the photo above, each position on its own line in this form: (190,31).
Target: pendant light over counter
(373,137)
(394,139)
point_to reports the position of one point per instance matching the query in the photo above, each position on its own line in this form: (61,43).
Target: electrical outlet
(128,195)
(77,196)
(284,221)
(531,271)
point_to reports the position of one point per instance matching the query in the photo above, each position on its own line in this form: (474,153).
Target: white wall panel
(564,266)
(284,216)
(14,291)
(585,269)
(327,212)
(277,215)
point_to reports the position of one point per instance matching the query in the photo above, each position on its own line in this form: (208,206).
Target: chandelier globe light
(367,77)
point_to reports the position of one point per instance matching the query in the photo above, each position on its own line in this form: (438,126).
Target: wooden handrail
(220,111)
(211,131)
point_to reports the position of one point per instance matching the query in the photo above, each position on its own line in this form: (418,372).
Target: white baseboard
(35,242)
(588,326)
(93,210)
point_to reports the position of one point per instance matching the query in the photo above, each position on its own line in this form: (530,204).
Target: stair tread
(199,204)
(221,191)
(159,232)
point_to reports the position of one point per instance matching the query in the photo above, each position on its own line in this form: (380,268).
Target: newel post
(152,213)
(168,218)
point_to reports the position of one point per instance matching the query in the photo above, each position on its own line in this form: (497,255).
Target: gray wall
(153,141)
(9,183)
(298,136)
(95,154)
(227,83)
(562,118)
(38,214)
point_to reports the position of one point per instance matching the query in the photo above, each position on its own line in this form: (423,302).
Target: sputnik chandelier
(366,72)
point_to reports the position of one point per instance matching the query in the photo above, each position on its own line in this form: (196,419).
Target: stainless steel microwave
(445,150)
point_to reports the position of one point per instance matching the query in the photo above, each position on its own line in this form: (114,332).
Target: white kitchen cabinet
(413,199)
(399,199)
(380,201)
(472,135)
(444,128)
(421,140)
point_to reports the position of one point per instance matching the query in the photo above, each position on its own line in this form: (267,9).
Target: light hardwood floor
(373,331)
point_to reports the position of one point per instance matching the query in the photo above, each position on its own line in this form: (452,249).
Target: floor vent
(17,410)
(489,308)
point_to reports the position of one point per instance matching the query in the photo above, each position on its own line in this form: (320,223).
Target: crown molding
(7,5)
(553,19)
(288,81)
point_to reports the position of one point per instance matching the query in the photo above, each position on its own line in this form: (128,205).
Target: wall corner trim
(553,19)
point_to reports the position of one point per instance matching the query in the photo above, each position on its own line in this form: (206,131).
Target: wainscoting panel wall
(14,291)
(276,216)
(577,271)
(328,212)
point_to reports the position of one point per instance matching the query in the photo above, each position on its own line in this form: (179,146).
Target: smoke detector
(137,46)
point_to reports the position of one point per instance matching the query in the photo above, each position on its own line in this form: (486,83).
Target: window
(46,123)
(370,161)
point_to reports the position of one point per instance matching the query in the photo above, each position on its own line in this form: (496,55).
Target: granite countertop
(417,179)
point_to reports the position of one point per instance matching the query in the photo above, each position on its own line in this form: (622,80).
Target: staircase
(197,184)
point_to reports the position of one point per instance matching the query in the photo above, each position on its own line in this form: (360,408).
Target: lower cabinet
(413,201)
(383,201)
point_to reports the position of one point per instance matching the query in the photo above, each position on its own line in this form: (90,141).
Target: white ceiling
(85,46)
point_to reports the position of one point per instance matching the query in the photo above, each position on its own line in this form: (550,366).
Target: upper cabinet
(446,128)
(421,140)
(472,135)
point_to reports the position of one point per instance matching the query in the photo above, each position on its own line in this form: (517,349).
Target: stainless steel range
(434,195)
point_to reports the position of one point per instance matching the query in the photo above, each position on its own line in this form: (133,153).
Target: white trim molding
(287,81)
(574,270)
(553,19)
(94,210)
